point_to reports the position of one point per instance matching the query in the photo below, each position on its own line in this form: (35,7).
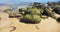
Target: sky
(20,1)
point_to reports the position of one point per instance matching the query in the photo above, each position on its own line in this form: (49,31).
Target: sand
(46,25)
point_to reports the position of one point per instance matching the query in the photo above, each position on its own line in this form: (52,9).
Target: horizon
(16,3)
(25,1)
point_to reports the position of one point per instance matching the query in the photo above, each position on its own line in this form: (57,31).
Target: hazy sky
(19,1)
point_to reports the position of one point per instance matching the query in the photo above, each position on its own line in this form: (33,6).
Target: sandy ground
(46,25)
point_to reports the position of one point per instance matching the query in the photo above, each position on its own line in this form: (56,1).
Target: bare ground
(46,25)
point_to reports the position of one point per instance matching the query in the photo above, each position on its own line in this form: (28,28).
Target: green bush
(35,11)
(31,19)
(36,18)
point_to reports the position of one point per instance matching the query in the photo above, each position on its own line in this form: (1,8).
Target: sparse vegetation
(7,11)
(31,19)
(34,13)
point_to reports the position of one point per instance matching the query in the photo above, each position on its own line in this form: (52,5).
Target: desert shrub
(57,10)
(35,11)
(58,20)
(33,19)
(8,10)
